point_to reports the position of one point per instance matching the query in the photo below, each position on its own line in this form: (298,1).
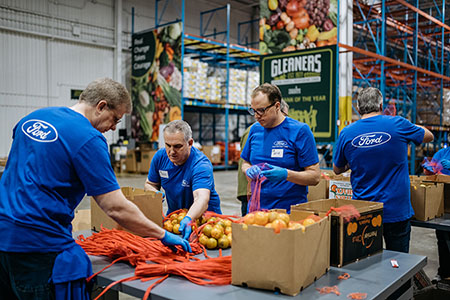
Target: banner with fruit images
(289,25)
(155,80)
(307,81)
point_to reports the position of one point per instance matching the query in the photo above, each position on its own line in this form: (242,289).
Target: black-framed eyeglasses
(116,119)
(260,111)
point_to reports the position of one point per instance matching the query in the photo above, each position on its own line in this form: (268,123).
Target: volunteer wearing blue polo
(186,175)
(375,148)
(286,146)
(57,156)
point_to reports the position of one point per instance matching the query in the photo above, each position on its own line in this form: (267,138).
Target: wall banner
(307,80)
(155,80)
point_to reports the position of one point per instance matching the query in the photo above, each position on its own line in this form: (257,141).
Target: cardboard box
(213,153)
(339,189)
(131,162)
(150,203)
(289,261)
(427,199)
(81,220)
(354,239)
(146,159)
(319,191)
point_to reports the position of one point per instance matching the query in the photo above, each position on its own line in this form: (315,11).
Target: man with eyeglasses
(287,148)
(58,155)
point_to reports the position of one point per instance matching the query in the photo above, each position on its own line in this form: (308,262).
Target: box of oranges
(277,251)
(351,238)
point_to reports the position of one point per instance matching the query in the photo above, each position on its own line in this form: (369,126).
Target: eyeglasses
(116,119)
(260,111)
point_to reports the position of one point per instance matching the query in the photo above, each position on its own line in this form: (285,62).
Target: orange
(176,228)
(285,217)
(207,230)
(308,222)
(244,227)
(261,218)
(174,216)
(272,216)
(230,238)
(203,239)
(227,230)
(211,243)
(227,223)
(221,223)
(268,225)
(249,219)
(223,242)
(278,225)
(168,225)
(174,221)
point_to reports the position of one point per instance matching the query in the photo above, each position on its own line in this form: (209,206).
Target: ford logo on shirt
(40,131)
(371,139)
(280,144)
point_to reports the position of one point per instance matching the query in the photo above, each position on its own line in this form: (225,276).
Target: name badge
(163,174)
(277,153)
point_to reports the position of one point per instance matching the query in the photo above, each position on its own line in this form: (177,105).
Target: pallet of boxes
(138,160)
(279,251)
(430,196)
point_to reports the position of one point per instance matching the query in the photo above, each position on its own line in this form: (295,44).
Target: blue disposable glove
(163,195)
(429,168)
(185,228)
(171,240)
(445,164)
(275,173)
(253,172)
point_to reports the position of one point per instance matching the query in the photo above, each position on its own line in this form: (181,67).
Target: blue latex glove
(275,173)
(445,164)
(253,172)
(172,240)
(185,228)
(429,168)
(163,195)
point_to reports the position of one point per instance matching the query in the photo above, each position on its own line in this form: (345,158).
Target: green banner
(155,80)
(307,80)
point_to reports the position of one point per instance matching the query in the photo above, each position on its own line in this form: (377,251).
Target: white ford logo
(372,139)
(40,131)
(280,143)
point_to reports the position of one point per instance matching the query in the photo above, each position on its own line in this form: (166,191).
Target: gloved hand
(445,164)
(185,227)
(253,172)
(163,195)
(428,168)
(172,240)
(275,173)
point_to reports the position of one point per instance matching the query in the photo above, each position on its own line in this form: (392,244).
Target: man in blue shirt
(185,174)
(375,149)
(287,148)
(58,155)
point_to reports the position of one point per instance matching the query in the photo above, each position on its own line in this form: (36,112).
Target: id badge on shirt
(277,153)
(163,174)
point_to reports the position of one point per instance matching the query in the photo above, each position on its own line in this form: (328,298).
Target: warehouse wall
(49,47)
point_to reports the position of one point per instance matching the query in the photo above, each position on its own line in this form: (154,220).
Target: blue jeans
(26,276)
(397,235)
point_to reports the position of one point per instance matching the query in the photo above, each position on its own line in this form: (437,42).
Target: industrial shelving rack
(402,47)
(213,46)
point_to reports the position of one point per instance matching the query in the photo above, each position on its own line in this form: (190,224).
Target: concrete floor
(423,241)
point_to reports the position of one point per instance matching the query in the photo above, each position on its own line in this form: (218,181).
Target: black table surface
(442,223)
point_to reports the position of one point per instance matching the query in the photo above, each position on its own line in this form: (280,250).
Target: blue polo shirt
(179,182)
(289,145)
(56,157)
(376,149)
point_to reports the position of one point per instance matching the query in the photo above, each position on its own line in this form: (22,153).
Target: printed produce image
(289,25)
(157,94)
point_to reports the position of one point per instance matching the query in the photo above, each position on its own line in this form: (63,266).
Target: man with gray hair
(58,155)
(375,148)
(186,175)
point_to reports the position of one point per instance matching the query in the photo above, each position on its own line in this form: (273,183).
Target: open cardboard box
(150,203)
(355,239)
(427,199)
(288,261)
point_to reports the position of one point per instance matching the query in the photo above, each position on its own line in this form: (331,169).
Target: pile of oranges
(172,224)
(275,220)
(215,233)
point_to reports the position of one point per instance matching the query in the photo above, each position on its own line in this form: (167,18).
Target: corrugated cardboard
(351,240)
(81,220)
(289,261)
(146,159)
(213,153)
(150,203)
(319,191)
(130,162)
(427,199)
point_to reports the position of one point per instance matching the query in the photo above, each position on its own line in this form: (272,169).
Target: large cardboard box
(131,162)
(146,159)
(319,191)
(354,239)
(150,203)
(427,199)
(288,261)
(213,153)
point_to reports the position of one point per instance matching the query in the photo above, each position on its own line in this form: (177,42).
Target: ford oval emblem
(371,139)
(280,143)
(40,131)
